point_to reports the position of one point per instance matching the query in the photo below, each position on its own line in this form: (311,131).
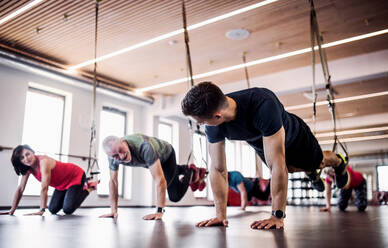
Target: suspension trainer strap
(188,56)
(92,162)
(316,35)
(244,59)
(314,94)
(190,80)
(200,145)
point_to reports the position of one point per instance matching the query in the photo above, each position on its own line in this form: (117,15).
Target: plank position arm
(161,186)
(244,195)
(274,150)
(18,194)
(219,184)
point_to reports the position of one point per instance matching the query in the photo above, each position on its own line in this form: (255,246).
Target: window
(266,171)
(248,160)
(112,122)
(240,157)
(43,128)
(382,175)
(230,151)
(165,132)
(200,159)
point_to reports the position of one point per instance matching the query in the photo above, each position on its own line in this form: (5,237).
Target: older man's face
(120,152)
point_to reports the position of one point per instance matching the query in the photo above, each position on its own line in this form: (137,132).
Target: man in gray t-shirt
(158,156)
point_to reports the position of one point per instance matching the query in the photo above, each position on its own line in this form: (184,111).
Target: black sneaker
(341,172)
(318,184)
(316,181)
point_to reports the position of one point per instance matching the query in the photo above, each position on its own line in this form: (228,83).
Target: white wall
(13,87)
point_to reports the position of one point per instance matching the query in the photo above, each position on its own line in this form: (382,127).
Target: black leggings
(258,193)
(360,197)
(177,177)
(68,200)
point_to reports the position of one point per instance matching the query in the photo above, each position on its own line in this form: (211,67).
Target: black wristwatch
(279,214)
(160,210)
(42,210)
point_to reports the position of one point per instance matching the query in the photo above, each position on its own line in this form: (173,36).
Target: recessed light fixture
(173,42)
(237,34)
(20,11)
(264,60)
(173,33)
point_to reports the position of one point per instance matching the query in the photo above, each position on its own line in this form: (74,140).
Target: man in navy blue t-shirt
(282,140)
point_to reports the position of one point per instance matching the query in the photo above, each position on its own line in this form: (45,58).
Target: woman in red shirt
(69,181)
(355,182)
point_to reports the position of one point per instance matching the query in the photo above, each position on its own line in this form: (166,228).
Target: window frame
(377,175)
(125,115)
(172,130)
(50,93)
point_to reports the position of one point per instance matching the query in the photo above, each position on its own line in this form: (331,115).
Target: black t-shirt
(259,113)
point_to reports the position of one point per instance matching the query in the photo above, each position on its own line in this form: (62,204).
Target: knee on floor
(53,210)
(361,208)
(68,209)
(342,207)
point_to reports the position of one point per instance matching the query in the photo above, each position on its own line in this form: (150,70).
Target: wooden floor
(305,227)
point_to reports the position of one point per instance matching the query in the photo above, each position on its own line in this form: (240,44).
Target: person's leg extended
(339,163)
(56,202)
(74,197)
(177,176)
(361,196)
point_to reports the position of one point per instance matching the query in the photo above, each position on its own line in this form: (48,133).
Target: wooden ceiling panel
(374,105)
(345,110)
(211,50)
(123,23)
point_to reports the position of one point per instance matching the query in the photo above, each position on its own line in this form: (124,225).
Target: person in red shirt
(355,181)
(69,181)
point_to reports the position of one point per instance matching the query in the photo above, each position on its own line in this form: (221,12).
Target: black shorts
(305,152)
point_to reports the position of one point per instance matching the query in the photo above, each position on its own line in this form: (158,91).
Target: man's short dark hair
(203,100)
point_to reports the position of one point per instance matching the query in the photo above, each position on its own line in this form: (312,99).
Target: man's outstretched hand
(327,209)
(111,215)
(155,216)
(213,222)
(270,223)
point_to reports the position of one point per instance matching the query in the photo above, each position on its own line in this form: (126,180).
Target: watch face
(279,214)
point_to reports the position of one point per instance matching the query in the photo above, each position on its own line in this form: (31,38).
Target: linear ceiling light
(264,60)
(19,11)
(173,33)
(355,139)
(354,131)
(345,99)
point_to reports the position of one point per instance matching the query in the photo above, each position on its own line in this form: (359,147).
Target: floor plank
(305,227)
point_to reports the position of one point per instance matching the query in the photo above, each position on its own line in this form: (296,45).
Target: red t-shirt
(63,176)
(356,178)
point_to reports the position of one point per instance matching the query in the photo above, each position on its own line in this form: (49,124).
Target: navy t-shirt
(236,178)
(259,113)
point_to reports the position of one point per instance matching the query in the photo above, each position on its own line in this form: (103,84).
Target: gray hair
(108,142)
